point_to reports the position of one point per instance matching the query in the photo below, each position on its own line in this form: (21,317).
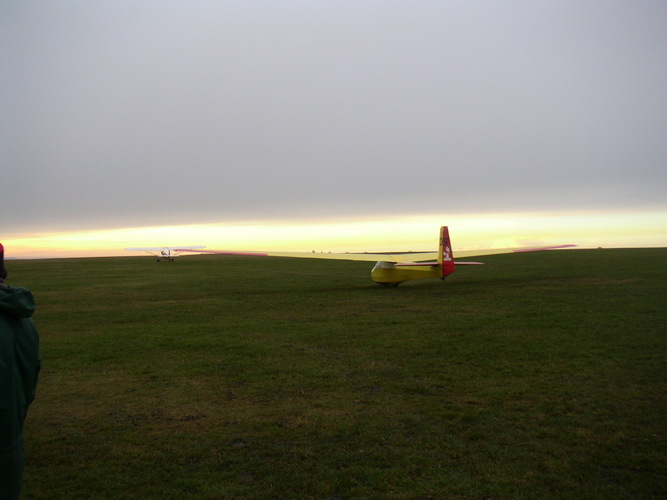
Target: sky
(279,125)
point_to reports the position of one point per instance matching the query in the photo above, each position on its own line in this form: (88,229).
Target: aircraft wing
(144,249)
(497,251)
(159,249)
(398,258)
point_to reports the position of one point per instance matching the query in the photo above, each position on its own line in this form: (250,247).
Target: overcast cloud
(130,113)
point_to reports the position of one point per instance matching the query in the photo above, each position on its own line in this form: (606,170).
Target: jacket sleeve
(28,362)
(10,425)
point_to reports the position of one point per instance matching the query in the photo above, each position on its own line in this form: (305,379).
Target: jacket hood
(17,301)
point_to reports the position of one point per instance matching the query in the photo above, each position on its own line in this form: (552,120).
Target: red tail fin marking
(446,256)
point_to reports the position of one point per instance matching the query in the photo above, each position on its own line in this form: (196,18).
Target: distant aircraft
(165,253)
(390,268)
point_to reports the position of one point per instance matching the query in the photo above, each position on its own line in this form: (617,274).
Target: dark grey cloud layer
(158,112)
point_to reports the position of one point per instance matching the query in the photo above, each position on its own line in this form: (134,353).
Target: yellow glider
(394,268)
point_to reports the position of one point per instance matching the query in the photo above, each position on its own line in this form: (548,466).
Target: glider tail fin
(445,255)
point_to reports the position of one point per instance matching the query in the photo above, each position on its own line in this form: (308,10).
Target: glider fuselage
(388,273)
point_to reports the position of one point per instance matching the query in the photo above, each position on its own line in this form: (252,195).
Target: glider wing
(498,251)
(398,258)
(159,249)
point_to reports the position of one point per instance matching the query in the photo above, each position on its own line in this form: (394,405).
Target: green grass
(536,376)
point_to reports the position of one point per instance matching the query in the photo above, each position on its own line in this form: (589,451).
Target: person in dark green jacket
(19,367)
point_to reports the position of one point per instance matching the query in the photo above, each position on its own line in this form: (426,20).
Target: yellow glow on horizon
(400,233)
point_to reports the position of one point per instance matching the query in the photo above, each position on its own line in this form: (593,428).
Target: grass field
(536,376)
